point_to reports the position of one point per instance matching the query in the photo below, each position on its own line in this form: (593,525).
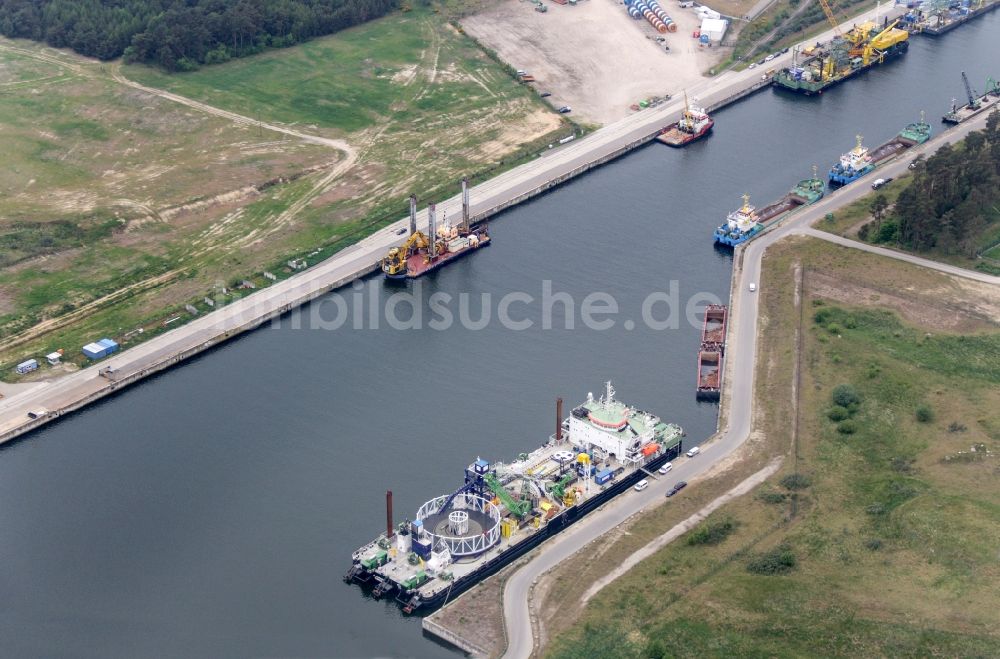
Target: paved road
(741,356)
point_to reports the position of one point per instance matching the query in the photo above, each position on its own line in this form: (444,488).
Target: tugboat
(853,165)
(740,226)
(694,124)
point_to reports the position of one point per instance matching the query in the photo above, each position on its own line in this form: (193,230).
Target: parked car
(693,451)
(753,287)
(565,109)
(879,182)
(753,65)
(768,58)
(680,485)
(545,94)
(400,231)
(913,165)
(641,485)
(665,468)
(784,50)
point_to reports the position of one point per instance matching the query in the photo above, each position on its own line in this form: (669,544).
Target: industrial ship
(913,134)
(852,165)
(847,55)
(712,352)
(421,253)
(740,226)
(503,510)
(694,124)
(976,102)
(936,17)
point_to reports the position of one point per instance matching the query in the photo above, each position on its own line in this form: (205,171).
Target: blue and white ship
(740,226)
(853,165)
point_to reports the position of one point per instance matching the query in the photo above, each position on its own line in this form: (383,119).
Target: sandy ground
(594,57)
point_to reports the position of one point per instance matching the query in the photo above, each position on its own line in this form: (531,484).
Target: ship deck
(779,208)
(890,148)
(417,264)
(547,462)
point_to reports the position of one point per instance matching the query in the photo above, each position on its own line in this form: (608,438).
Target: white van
(753,287)
(641,485)
(693,451)
(665,468)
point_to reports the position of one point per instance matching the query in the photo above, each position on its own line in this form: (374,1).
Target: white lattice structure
(479,517)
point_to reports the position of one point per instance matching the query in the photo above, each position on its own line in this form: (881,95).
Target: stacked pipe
(662,15)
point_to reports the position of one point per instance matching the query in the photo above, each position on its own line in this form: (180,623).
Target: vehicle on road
(641,485)
(762,62)
(676,488)
(753,65)
(37,412)
(753,287)
(879,182)
(545,94)
(665,468)
(565,109)
(693,451)
(784,50)
(400,231)
(769,58)
(913,165)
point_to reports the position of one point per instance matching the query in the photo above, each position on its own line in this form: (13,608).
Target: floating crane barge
(505,509)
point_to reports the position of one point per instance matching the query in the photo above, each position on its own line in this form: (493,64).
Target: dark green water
(211,511)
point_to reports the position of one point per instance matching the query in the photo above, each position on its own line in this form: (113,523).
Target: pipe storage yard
(37,404)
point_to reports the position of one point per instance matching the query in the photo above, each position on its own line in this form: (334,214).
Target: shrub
(873,544)
(925,414)
(773,497)
(837,413)
(845,395)
(821,316)
(955,426)
(776,561)
(833,328)
(847,427)
(876,509)
(712,533)
(796,482)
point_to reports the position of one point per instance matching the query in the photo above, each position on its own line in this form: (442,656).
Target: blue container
(603,476)
(109,345)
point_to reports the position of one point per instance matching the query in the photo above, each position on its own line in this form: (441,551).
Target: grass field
(885,543)
(119,207)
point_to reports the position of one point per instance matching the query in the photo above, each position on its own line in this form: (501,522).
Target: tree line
(950,202)
(180,35)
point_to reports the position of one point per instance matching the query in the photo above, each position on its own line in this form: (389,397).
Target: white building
(714,28)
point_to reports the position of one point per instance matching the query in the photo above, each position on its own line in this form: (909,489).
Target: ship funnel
(432,230)
(413,214)
(559,418)
(388,514)
(465,204)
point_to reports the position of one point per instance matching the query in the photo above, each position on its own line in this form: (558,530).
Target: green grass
(894,542)
(345,82)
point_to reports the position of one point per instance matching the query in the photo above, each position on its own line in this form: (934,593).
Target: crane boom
(968,91)
(829,16)
(517,508)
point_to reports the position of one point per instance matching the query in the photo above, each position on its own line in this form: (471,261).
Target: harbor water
(211,511)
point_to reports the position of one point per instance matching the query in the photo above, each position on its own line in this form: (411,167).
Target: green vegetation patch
(877,542)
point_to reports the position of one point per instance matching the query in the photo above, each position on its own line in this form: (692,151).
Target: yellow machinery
(394,263)
(882,41)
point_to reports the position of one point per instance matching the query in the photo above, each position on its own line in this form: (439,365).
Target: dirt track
(594,57)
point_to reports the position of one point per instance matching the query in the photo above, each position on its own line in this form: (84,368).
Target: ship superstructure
(504,509)
(852,165)
(740,226)
(693,124)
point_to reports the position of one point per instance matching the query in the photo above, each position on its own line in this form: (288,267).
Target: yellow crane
(394,263)
(882,41)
